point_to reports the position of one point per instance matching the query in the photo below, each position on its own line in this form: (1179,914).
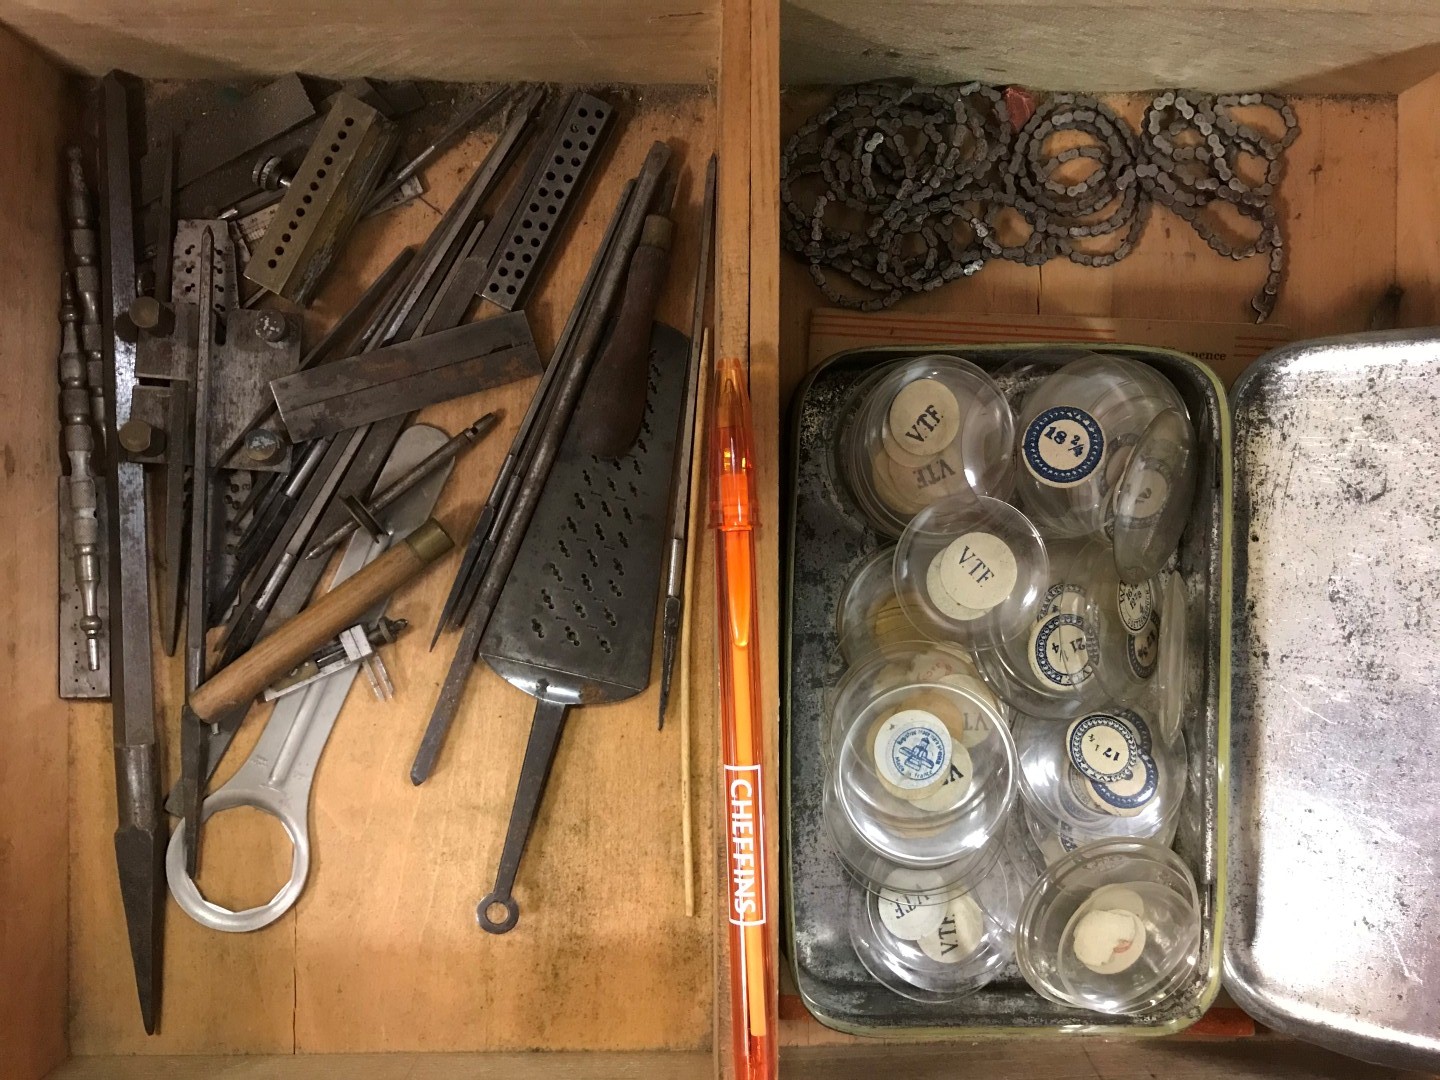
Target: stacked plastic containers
(1010,693)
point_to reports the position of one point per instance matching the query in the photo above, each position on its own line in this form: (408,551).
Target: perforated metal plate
(185,265)
(554,191)
(324,199)
(578,612)
(77,681)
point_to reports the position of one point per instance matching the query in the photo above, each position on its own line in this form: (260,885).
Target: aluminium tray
(825,540)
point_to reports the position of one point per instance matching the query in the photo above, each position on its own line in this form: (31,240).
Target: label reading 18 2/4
(744,831)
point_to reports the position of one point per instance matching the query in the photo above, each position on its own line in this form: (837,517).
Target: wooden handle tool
(236,685)
(614,404)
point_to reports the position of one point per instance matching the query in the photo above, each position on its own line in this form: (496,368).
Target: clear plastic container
(921,788)
(1106,774)
(971,569)
(1052,668)
(928,428)
(1152,500)
(869,614)
(931,951)
(910,666)
(1113,926)
(1077,432)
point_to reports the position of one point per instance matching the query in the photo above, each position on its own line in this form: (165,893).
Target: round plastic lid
(928,428)
(971,941)
(1078,429)
(1113,926)
(971,570)
(1125,620)
(869,614)
(922,777)
(1153,497)
(893,666)
(1051,669)
(1107,773)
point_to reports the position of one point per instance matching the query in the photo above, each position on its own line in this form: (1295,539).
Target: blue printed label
(1102,747)
(1131,792)
(1060,650)
(917,754)
(1063,445)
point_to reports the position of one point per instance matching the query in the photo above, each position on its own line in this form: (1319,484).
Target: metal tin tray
(1332,933)
(825,540)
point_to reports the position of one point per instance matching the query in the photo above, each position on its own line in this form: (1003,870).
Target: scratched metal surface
(1334,923)
(826,540)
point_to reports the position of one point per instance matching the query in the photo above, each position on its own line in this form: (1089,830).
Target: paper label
(1142,651)
(924,418)
(1060,651)
(1136,604)
(958,934)
(1126,796)
(745,830)
(1063,446)
(978,570)
(911,906)
(940,596)
(912,750)
(956,785)
(1102,747)
(1061,596)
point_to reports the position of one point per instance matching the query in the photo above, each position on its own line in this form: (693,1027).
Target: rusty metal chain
(900,189)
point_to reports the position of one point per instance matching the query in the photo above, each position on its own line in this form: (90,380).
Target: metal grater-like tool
(555,187)
(575,624)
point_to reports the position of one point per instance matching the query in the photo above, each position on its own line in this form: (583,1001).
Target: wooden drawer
(382,955)
(1358,218)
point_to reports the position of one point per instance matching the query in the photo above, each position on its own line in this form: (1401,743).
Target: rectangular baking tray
(1332,933)
(826,538)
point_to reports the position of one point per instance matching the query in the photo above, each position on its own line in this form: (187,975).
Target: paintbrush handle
(342,606)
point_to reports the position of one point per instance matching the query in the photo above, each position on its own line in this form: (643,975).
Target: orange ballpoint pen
(753,1005)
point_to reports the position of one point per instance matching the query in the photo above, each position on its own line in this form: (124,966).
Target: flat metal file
(140,838)
(406,377)
(192,745)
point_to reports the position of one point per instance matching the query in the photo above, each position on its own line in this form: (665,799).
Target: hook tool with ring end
(277,776)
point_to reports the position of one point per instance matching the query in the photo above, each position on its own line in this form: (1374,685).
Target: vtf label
(745,828)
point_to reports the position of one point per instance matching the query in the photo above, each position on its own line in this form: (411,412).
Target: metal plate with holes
(77,681)
(185,266)
(1331,933)
(579,606)
(232,488)
(554,191)
(826,540)
(325,197)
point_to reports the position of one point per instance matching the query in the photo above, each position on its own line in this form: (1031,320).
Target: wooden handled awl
(613,408)
(227,696)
